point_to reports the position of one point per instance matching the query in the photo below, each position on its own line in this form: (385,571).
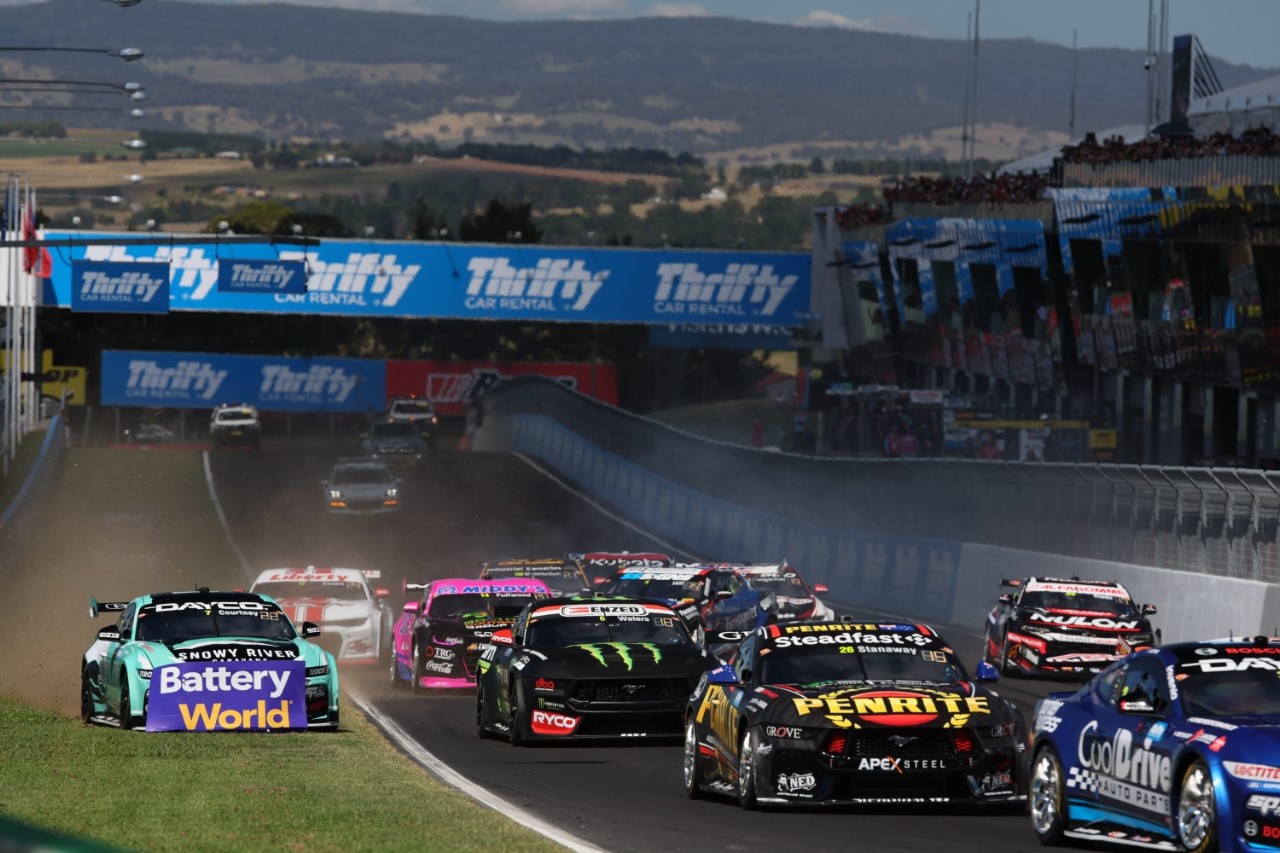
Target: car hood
(361,490)
(230,649)
(471,627)
(1079,623)
(587,660)
(321,610)
(882,705)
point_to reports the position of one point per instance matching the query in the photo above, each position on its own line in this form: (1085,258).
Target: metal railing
(1212,521)
(1217,171)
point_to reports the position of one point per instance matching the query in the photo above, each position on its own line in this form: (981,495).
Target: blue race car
(718,605)
(1171,748)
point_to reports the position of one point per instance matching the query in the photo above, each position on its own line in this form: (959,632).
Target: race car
(562,574)
(206,661)
(599,566)
(792,597)
(1065,627)
(235,426)
(718,605)
(1171,748)
(827,713)
(438,638)
(394,443)
(355,619)
(361,487)
(588,667)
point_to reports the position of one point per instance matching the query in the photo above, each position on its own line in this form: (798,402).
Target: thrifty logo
(553,284)
(183,380)
(740,290)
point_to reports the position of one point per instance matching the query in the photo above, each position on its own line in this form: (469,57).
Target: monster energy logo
(596,650)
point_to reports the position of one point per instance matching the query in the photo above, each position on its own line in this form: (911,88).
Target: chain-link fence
(1208,520)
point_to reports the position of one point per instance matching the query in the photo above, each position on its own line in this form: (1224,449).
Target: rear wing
(405,586)
(97,607)
(1013,582)
(372,574)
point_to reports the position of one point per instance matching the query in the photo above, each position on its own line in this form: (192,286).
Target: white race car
(355,619)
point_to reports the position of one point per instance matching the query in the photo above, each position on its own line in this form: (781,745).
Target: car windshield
(570,631)
(411,407)
(1083,602)
(495,605)
(333,590)
(176,626)
(810,664)
(566,580)
(354,476)
(648,587)
(394,430)
(234,415)
(1250,693)
(790,586)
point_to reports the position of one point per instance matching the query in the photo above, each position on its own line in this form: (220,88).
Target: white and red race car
(355,619)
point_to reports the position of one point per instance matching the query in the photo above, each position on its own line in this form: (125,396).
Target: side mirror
(1149,610)
(411,607)
(1006,598)
(502,637)
(986,673)
(382,592)
(820,589)
(310,629)
(111,634)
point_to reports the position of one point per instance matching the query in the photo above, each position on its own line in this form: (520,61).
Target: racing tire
(126,711)
(415,670)
(747,771)
(87,708)
(482,728)
(694,774)
(518,713)
(1047,798)
(1197,819)
(393,672)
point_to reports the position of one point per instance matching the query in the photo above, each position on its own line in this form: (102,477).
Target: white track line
(602,510)
(222,518)
(480,794)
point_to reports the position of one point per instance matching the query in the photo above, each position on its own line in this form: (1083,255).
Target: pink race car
(437,640)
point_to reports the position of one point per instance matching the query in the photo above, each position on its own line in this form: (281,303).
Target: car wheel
(482,730)
(126,709)
(393,672)
(1048,797)
(87,708)
(415,669)
(693,772)
(747,771)
(1197,812)
(518,713)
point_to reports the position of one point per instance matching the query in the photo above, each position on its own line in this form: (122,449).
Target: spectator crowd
(1254,142)
(996,188)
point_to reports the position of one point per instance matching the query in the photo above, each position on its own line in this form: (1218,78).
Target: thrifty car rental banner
(193,380)
(483,282)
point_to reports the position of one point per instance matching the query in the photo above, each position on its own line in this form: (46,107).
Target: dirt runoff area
(116,524)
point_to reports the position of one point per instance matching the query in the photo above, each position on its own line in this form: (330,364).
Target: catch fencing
(1211,521)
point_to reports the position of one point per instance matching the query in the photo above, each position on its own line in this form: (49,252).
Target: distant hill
(701,85)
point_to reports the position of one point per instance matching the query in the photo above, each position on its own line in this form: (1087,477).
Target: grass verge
(342,791)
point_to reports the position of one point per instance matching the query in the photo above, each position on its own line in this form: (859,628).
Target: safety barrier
(13,520)
(929,539)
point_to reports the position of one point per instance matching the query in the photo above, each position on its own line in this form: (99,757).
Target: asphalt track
(462,508)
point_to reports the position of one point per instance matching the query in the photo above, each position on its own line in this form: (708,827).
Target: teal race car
(206,661)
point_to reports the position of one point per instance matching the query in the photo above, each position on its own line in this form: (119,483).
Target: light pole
(128,54)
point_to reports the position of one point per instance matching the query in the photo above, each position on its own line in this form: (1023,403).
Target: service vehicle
(418,412)
(717,604)
(588,667)
(361,487)
(235,426)
(394,443)
(563,574)
(438,638)
(203,660)
(355,618)
(1172,748)
(827,713)
(1065,627)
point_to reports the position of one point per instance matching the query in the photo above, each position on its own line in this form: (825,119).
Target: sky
(1240,31)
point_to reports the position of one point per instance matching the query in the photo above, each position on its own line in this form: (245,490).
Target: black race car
(1065,627)
(826,713)
(562,574)
(578,667)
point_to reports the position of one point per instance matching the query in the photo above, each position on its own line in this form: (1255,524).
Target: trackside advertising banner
(229,696)
(120,287)
(484,282)
(245,276)
(706,336)
(272,383)
(450,384)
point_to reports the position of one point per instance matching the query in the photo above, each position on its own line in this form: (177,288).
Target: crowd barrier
(925,539)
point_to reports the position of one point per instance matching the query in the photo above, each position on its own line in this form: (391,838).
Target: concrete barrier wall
(930,579)
(15,518)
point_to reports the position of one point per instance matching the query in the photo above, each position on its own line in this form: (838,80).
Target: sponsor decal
(1267,806)
(1003,730)
(1252,772)
(233,651)
(999,781)
(793,782)
(1032,642)
(1100,623)
(894,707)
(437,666)
(120,287)
(278,382)
(1206,651)
(900,765)
(442,654)
(850,638)
(685,289)
(241,696)
(784,732)
(603,610)
(1078,589)
(545,723)
(1130,773)
(623,650)
(1082,657)
(1267,664)
(544,684)
(1155,734)
(249,276)
(183,380)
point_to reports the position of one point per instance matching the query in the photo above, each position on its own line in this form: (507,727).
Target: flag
(35,259)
